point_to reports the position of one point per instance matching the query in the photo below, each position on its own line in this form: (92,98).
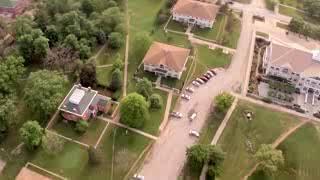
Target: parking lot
(177,133)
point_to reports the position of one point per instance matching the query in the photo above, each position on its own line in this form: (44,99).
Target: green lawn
(73,163)
(212,58)
(104,75)
(7,3)
(232,31)
(290,12)
(266,126)
(156,115)
(90,137)
(178,83)
(143,21)
(294,3)
(108,56)
(216,32)
(176,26)
(301,152)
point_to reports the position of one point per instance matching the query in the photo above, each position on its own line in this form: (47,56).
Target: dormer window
(285,70)
(161,66)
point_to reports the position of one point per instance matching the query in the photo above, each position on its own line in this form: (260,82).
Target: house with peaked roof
(194,12)
(301,68)
(166,60)
(82,103)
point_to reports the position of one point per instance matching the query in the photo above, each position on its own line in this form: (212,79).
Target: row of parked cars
(204,78)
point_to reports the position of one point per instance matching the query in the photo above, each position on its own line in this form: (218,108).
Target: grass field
(90,137)
(301,152)
(176,26)
(212,58)
(232,32)
(216,32)
(294,3)
(266,126)
(156,115)
(104,75)
(73,163)
(108,56)
(290,12)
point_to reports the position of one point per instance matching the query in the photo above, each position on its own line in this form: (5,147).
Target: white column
(306,97)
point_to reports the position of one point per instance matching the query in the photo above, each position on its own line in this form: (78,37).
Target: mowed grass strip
(215,32)
(301,153)
(267,125)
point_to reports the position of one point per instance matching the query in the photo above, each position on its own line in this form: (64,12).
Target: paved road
(167,157)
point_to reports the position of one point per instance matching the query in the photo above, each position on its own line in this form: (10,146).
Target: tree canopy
(116,80)
(31,134)
(144,41)
(269,159)
(223,101)
(156,101)
(144,87)
(44,91)
(7,114)
(88,75)
(11,69)
(134,110)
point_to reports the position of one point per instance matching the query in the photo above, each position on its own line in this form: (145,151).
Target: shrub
(115,40)
(31,134)
(155,101)
(82,126)
(95,156)
(223,101)
(267,100)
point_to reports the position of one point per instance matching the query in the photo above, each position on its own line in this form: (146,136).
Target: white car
(209,72)
(200,81)
(189,89)
(193,116)
(176,114)
(195,83)
(138,177)
(185,96)
(194,133)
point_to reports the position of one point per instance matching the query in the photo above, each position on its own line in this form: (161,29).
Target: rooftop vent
(77,96)
(316,55)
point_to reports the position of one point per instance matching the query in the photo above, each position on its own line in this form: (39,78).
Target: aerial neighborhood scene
(159,89)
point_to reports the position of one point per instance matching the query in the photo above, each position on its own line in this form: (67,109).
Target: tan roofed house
(300,67)
(195,12)
(166,60)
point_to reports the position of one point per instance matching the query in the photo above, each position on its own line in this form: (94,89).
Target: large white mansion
(195,12)
(166,60)
(300,67)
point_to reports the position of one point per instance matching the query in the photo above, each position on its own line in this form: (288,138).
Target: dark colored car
(204,79)
(213,71)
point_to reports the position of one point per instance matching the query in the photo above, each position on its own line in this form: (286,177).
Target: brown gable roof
(197,9)
(167,55)
(296,60)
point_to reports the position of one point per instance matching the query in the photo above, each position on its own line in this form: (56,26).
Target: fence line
(101,135)
(47,171)
(69,139)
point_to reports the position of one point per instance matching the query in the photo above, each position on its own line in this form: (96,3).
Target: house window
(277,69)
(161,66)
(285,70)
(295,80)
(302,79)
(292,73)
(272,67)
(299,84)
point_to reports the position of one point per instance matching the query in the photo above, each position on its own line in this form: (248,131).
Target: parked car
(193,116)
(189,89)
(195,83)
(138,177)
(207,76)
(200,81)
(176,114)
(194,133)
(204,79)
(213,71)
(210,73)
(185,96)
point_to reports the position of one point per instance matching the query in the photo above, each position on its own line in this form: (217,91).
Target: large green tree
(144,41)
(296,25)
(144,87)
(116,80)
(155,101)
(44,91)
(88,75)
(223,101)
(115,40)
(31,134)
(11,69)
(7,114)
(134,110)
(269,159)
(312,8)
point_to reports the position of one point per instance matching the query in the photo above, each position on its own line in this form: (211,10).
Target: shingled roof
(296,60)
(163,54)
(197,9)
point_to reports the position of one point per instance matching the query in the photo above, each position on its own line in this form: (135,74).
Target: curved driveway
(168,154)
